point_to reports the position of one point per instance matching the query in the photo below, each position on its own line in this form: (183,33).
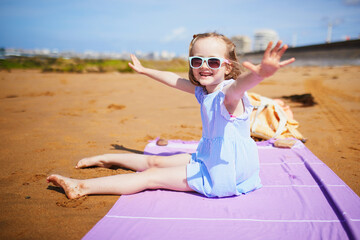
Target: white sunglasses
(212,62)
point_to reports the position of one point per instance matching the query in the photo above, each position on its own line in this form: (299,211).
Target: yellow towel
(269,120)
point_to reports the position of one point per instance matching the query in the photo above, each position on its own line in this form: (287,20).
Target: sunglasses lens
(214,62)
(196,62)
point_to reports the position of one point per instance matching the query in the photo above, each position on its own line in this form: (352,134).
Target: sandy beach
(49,121)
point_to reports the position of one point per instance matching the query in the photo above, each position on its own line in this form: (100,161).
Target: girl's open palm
(270,62)
(136,65)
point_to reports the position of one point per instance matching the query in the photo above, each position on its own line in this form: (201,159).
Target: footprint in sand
(35,178)
(47,93)
(114,107)
(71,203)
(147,138)
(185,132)
(74,112)
(126,118)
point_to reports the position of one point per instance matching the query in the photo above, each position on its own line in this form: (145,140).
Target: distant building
(88,54)
(165,55)
(153,56)
(263,37)
(243,44)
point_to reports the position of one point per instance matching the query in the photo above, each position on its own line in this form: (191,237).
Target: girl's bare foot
(98,161)
(73,188)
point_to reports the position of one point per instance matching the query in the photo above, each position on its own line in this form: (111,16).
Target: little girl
(226,160)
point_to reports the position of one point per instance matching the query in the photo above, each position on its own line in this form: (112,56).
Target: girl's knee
(173,178)
(153,161)
(153,179)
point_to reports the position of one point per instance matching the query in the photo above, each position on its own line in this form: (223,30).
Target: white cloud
(176,34)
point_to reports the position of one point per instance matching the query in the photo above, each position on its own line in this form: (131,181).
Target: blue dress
(226,162)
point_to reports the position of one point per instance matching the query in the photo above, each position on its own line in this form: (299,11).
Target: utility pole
(329,32)
(294,39)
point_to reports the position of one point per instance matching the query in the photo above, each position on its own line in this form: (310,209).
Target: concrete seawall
(328,54)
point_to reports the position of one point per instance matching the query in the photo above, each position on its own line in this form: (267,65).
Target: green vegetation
(174,65)
(77,65)
(24,63)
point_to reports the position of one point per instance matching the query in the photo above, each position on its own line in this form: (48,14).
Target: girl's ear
(228,68)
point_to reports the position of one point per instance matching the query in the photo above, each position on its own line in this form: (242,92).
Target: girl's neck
(213,88)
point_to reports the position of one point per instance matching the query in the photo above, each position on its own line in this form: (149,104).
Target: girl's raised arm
(167,78)
(268,66)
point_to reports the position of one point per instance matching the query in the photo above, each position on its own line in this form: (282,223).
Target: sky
(165,25)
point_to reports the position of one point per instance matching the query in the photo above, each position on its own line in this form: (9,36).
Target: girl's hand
(270,62)
(136,65)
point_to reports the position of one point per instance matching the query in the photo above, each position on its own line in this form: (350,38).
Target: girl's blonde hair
(230,55)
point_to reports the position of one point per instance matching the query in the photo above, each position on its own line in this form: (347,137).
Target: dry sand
(50,121)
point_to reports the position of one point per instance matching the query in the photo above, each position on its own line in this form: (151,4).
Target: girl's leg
(137,162)
(173,178)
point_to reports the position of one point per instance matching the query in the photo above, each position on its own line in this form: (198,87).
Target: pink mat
(301,198)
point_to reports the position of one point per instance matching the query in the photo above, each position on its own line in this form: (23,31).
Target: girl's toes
(82,163)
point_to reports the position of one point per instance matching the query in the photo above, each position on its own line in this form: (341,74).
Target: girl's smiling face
(210,47)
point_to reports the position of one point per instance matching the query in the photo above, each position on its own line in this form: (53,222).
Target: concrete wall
(329,54)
